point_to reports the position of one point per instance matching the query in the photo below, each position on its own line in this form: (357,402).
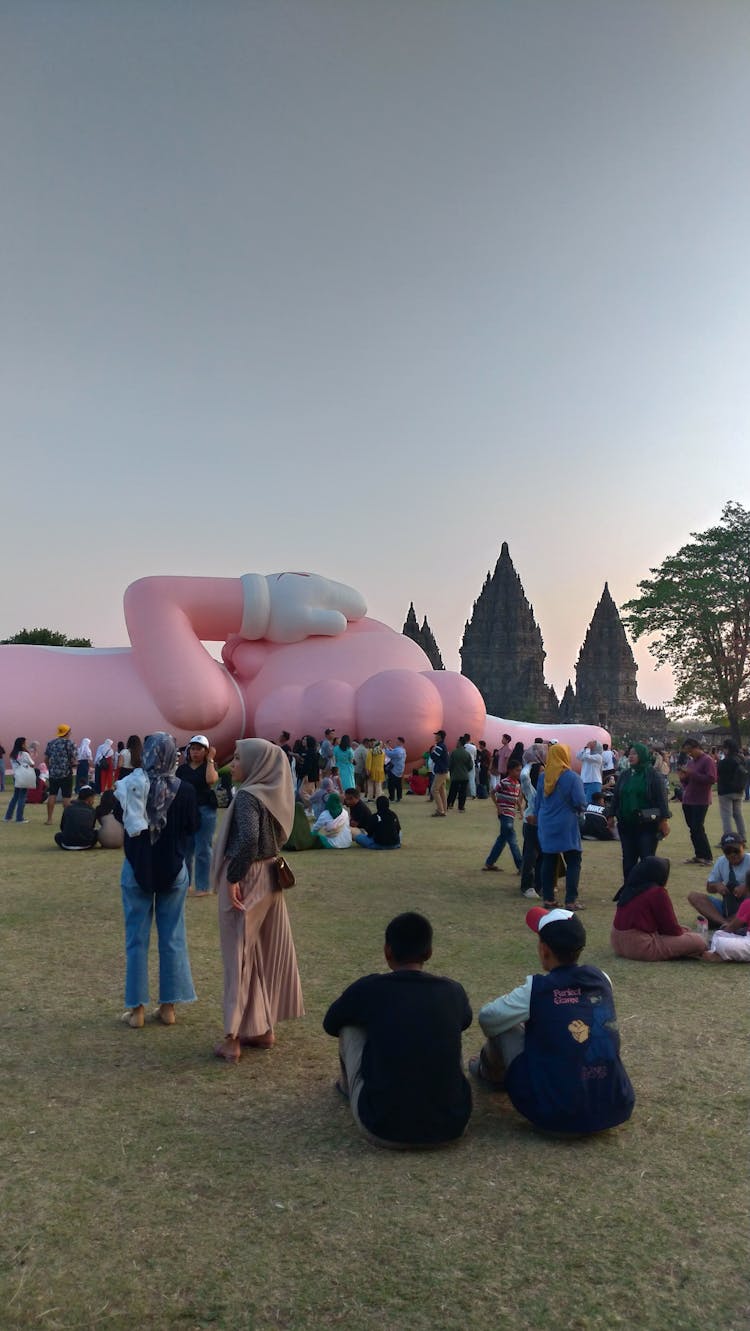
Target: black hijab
(653,871)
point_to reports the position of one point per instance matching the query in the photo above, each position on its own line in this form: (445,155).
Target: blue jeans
(369,844)
(507,837)
(572,874)
(591,788)
(198,848)
(17,802)
(140,908)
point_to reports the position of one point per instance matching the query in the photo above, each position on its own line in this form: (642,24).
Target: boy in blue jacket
(553,1043)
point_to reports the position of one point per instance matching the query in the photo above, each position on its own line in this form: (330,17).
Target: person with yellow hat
(61,756)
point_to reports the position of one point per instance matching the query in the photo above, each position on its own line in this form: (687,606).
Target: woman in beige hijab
(261,980)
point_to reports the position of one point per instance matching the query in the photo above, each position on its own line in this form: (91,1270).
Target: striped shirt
(506,796)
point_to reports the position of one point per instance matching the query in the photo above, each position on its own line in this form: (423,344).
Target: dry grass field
(146,1185)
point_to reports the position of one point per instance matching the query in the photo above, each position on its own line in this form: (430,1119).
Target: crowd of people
(551,1043)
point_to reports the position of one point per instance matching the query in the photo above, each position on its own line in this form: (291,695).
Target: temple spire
(502,649)
(424,637)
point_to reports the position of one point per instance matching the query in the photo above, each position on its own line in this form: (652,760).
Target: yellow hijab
(558,761)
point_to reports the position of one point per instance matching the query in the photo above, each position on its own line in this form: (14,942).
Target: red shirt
(651,911)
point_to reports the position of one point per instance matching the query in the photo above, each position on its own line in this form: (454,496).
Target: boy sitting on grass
(553,1042)
(719,902)
(400,1045)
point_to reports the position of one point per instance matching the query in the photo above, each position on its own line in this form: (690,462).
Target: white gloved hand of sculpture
(288,607)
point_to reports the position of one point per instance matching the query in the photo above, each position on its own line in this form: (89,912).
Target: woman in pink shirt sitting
(645,927)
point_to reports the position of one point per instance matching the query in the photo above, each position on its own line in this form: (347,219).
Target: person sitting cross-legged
(332,825)
(384,829)
(400,1045)
(77,827)
(553,1042)
(719,903)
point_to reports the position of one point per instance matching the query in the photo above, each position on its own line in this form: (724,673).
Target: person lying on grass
(553,1042)
(400,1045)
(731,941)
(719,903)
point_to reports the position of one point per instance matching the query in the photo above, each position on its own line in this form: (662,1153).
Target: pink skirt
(261,979)
(639,946)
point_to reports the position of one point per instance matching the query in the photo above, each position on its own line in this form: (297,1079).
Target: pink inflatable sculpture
(299,655)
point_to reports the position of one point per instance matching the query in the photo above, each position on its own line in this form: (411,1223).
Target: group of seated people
(84,827)
(552,1043)
(646,928)
(324,819)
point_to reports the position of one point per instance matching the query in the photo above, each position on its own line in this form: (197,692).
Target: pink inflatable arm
(166,619)
(168,616)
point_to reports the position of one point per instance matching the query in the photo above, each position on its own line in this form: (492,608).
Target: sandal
(575,905)
(266,1041)
(134,1016)
(229,1055)
(165,1014)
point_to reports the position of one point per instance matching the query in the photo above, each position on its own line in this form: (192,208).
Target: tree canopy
(45,638)
(696,609)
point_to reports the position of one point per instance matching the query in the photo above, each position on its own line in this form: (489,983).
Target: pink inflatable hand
(304,605)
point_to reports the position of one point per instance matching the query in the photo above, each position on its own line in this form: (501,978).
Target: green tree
(46,638)
(696,608)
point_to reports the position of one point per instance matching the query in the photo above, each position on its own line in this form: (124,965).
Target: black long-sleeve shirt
(157,864)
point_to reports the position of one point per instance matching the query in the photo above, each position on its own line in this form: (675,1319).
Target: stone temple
(606,691)
(424,637)
(502,650)
(503,654)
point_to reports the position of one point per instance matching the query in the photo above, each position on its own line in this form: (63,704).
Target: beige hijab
(266,775)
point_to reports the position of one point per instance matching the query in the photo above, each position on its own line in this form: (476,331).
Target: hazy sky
(368,287)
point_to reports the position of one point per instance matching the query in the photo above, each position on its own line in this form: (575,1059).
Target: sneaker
(530,894)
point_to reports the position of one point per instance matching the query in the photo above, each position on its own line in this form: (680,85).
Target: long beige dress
(261,979)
